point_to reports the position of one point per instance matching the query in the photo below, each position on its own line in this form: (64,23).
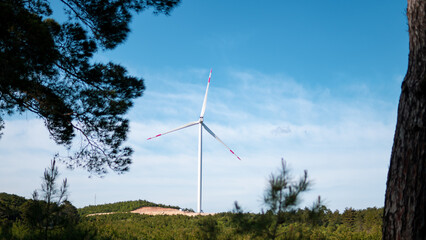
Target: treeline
(21,218)
(351,224)
(120,207)
(308,224)
(48,215)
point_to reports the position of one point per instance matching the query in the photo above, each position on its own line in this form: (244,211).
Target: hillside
(20,219)
(10,205)
(120,207)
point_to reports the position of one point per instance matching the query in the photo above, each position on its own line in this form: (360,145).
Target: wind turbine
(202,125)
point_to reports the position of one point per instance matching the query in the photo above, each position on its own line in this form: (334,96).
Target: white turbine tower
(200,140)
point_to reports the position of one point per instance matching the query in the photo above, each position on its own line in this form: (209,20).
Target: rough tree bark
(404,215)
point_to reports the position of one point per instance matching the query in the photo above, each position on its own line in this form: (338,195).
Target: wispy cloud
(308,127)
(344,144)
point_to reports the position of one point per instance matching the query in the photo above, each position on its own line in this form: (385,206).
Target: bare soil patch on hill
(165,211)
(158,211)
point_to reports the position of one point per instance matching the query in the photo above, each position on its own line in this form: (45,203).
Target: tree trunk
(404,215)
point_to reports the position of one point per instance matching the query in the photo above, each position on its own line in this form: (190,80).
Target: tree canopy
(46,68)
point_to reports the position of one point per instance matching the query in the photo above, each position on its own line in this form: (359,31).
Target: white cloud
(344,145)
(322,134)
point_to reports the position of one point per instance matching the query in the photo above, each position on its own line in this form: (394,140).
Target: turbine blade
(205,96)
(217,138)
(179,128)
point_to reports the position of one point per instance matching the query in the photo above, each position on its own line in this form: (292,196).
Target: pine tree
(46,68)
(405,212)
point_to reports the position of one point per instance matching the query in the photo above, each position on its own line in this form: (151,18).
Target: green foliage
(120,207)
(281,197)
(223,226)
(282,220)
(136,226)
(53,217)
(330,224)
(9,206)
(49,213)
(28,219)
(46,68)
(282,192)
(21,230)
(208,228)
(49,190)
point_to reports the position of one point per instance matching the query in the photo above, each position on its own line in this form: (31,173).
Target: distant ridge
(167,211)
(156,211)
(121,207)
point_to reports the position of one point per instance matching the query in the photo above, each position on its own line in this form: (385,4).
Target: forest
(20,219)
(120,207)
(49,215)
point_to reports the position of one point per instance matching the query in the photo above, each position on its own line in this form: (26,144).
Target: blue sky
(314,82)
